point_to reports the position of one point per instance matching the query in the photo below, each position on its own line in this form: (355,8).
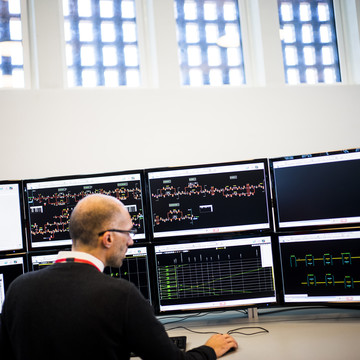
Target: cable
(194,331)
(230,332)
(235,331)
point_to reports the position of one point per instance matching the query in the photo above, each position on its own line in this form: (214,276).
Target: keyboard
(179,341)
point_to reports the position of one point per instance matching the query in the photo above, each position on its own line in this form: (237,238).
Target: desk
(311,334)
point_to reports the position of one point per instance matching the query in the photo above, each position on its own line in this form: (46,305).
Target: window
(308,37)
(209,42)
(11,50)
(101,43)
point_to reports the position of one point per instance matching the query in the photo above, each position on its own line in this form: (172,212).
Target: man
(71,310)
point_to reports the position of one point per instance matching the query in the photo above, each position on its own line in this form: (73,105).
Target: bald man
(71,310)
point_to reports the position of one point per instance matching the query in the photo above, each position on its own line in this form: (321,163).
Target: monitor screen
(135,268)
(209,199)
(215,274)
(10,268)
(41,260)
(49,203)
(12,236)
(316,191)
(321,267)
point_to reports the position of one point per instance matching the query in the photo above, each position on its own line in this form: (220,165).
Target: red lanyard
(69,260)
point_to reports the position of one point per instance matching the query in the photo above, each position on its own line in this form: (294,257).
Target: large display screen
(317,191)
(215,274)
(49,203)
(10,268)
(12,234)
(321,267)
(209,199)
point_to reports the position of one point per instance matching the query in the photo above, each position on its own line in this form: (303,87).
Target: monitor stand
(253,313)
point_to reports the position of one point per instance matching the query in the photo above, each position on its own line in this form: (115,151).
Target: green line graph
(216,278)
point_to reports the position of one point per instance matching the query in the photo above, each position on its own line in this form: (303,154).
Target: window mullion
(347,15)
(49,40)
(28,29)
(261,40)
(270,37)
(146,42)
(164,28)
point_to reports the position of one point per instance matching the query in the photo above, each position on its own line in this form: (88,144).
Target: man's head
(94,215)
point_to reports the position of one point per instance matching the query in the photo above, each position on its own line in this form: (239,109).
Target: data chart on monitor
(224,198)
(321,267)
(50,203)
(214,274)
(135,268)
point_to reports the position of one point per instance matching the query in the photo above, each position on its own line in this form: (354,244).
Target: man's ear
(107,240)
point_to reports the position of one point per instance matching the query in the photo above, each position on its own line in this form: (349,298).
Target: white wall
(50,131)
(60,132)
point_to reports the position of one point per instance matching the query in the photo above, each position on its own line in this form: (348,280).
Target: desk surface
(319,333)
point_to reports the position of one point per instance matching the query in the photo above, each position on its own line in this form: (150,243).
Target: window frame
(27,72)
(157,43)
(315,45)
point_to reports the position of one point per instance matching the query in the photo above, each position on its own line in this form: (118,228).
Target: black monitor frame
(311,244)
(21,220)
(325,160)
(84,181)
(221,243)
(159,175)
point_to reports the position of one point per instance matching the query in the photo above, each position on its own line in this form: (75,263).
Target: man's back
(73,311)
(69,310)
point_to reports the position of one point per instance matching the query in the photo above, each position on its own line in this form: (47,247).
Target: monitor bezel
(201,234)
(30,247)
(305,227)
(260,305)
(22,218)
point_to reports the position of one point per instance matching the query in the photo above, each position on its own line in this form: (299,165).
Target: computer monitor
(41,260)
(216,274)
(12,235)
(320,267)
(135,268)
(49,203)
(209,199)
(10,268)
(316,191)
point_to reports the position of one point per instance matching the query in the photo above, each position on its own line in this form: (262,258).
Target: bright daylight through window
(101,43)
(308,37)
(11,49)
(209,42)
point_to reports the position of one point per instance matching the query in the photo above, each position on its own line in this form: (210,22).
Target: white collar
(83,256)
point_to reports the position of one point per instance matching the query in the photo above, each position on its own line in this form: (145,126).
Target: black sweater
(73,311)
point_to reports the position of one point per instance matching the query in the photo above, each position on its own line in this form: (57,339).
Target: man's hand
(222,343)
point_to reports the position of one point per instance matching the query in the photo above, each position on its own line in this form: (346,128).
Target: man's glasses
(131,232)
